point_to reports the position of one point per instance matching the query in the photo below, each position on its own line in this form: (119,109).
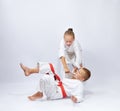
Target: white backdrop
(30,31)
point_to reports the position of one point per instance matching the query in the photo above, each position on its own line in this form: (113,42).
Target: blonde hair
(69,32)
(86,74)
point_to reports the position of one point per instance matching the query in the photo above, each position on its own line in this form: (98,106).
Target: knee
(44,78)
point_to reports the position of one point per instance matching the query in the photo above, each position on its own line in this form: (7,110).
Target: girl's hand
(67,70)
(74,99)
(75,69)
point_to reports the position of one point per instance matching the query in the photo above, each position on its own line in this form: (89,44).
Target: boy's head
(69,36)
(82,74)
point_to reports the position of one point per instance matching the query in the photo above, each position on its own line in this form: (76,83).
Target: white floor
(13,97)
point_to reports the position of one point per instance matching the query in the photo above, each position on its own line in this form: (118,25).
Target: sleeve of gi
(61,49)
(78,93)
(78,54)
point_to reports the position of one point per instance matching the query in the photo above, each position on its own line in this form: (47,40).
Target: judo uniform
(49,86)
(72,54)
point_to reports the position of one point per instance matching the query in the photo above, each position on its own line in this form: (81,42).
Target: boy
(51,85)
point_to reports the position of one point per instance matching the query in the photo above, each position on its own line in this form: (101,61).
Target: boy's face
(68,39)
(78,74)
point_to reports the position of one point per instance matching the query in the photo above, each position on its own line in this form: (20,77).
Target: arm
(62,57)
(77,94)
(64,65)
(78,54)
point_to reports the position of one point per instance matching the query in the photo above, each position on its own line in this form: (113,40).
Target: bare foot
(25,69)
(35,96)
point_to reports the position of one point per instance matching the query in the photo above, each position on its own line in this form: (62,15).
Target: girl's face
(68,39)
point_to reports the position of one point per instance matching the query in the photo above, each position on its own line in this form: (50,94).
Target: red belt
(60,82)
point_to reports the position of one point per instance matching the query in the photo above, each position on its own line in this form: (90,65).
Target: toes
(24,69)
(22,66)
(31,98)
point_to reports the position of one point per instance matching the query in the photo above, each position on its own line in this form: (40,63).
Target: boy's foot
(37,95)
(25,69)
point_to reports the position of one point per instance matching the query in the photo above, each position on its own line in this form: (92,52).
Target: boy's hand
(74,99)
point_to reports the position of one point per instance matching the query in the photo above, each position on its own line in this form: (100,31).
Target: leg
(28,71)
(35,96)
(49,87)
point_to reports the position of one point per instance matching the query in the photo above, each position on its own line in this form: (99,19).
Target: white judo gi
(72,54)
(50,87)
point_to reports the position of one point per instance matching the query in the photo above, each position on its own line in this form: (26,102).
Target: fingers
(74,99)
(67,71)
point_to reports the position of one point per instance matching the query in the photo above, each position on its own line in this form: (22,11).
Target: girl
(70,52)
